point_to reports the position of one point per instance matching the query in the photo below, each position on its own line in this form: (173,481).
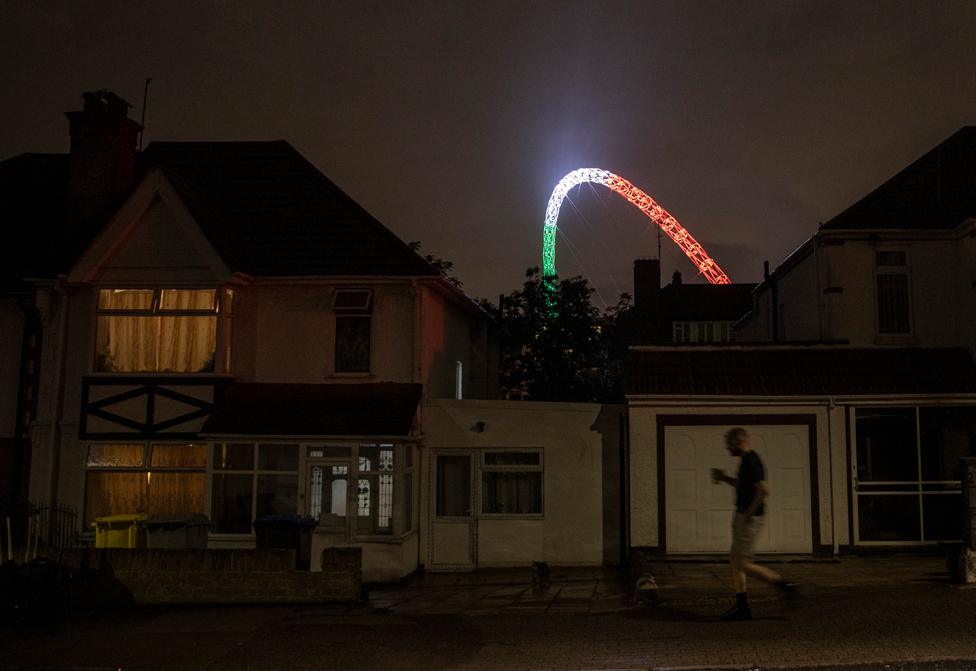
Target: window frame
(223,295)
(484,467)
(146,467)
(358,312)
(255,471)
(400,529)
(918,487)
(889,270)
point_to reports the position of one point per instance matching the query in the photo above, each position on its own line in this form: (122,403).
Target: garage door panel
(720,527)
(685,530)
(684,486)
(699,513)
(684,454)
(791,490)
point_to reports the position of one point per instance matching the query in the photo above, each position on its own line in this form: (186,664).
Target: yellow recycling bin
(120,531)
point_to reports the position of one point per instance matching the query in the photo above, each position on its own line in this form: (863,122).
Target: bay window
(156,479)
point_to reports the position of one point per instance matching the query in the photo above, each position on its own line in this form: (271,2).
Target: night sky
(451,122)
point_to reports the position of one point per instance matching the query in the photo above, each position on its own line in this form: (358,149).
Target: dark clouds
(452,121)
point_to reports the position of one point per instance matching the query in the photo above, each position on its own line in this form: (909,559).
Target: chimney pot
(102,163)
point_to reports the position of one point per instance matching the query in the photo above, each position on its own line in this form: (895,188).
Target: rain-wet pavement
(886,614)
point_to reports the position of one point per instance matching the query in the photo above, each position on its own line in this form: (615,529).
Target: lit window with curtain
(511,482)
(156,330)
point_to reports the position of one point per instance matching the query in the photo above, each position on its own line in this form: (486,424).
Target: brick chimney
(102,163)
(647,285)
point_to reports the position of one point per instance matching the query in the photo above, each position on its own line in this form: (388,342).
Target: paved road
(930,623)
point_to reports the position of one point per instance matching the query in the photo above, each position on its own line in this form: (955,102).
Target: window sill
(350,375)
(512,516)
(896,339)
(375,538)
(150,374)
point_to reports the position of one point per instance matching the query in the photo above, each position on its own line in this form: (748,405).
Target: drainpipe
(54,438)
(830,471)
(774,296)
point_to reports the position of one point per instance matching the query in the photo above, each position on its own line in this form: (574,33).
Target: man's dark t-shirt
(751,473)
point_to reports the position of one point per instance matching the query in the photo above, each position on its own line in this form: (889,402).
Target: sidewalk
(857,611)
(680,582)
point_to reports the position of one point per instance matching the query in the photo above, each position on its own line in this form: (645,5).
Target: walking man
(750,505)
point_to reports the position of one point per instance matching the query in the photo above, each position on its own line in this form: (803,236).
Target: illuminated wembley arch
(692,249)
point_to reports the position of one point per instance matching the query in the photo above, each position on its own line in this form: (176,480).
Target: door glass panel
(327,494)
(453,485)
(948,434)
(892,517)
(886,444)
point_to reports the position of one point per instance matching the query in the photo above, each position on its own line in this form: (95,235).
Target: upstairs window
(893,294)
(353,330)
(156,330)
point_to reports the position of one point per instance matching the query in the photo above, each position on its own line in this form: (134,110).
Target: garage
(698,513)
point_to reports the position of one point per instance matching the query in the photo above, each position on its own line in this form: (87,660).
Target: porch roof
(383,409)
(813,370)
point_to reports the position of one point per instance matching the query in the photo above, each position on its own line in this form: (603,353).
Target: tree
(556,348)
(445,268)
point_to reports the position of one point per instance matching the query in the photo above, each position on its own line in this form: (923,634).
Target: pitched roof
(277,214)
(33,203)
(937,192)
(800,371)
(259,409)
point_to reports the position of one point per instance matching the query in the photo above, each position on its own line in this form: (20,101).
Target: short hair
(736,435)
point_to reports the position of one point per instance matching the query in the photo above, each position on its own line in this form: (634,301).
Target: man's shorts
(745,530)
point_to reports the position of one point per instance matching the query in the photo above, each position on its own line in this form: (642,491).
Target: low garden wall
(156,576)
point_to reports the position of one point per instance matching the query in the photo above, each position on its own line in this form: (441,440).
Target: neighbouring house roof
(275,214)
(936,192)
(33,202)
(820,371)
(372,409)
(706,302)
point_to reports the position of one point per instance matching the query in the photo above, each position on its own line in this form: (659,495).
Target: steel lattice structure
(692,249)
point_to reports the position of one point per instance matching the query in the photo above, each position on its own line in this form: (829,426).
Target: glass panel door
(327,493)
(453,525)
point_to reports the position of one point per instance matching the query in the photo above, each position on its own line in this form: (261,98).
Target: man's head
(737,441)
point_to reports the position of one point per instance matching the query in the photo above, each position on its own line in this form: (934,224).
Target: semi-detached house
(216,328)
(854,374)
(236,337)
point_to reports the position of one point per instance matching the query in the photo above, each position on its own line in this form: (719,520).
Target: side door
(454,532)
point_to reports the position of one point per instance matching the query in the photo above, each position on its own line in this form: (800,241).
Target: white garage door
(699,513)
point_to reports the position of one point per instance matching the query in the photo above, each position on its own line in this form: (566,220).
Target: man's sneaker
(737,614)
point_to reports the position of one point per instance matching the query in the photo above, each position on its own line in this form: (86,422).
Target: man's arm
(719,476)
(762,492)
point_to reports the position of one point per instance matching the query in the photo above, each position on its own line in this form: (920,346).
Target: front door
(328,494)
(453,526)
